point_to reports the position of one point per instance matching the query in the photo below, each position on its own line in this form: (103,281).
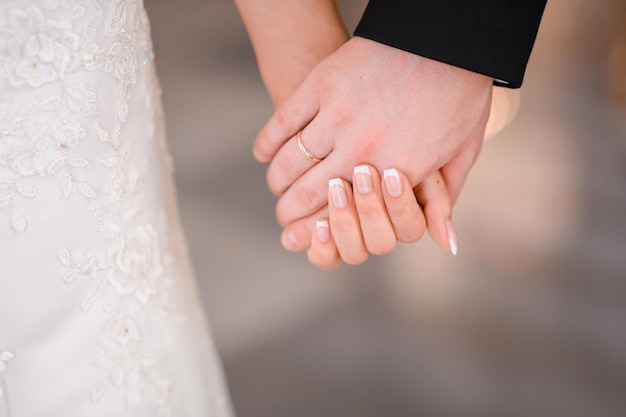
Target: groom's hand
(371,103)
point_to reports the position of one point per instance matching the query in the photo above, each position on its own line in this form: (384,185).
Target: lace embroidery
(138,311)
(42,139)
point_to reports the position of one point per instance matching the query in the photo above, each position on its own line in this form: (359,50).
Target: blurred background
(528,320)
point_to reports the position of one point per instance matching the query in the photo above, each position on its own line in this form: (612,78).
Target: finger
(297,235)
(323,251)
(376,228)
(308,193)
(434,196)
(297,112)
(290,162)
(402,207)
(456,170)
(344,222)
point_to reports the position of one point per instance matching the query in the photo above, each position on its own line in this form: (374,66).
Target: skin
(370,103)
(292,56)
(373,222)
(290,39)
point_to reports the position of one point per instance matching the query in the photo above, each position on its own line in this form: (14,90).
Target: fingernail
(291,240)
(392,182)
(363,179)
(338,193)
(454,249)
(323,231)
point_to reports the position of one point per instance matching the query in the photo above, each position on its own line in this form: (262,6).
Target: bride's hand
(286,53)
(375,213)
(290,38)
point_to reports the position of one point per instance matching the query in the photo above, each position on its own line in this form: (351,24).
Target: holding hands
(371,103)
(359,103)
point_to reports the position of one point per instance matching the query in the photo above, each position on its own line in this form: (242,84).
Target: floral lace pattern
(40,138)
(46,48)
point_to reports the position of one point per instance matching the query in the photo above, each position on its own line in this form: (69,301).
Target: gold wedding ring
(304,150)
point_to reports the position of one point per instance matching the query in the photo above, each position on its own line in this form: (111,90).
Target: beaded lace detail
(47,135)
(41,136)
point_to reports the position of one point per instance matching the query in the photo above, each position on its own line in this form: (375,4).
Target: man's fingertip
(289,241)
(259,155)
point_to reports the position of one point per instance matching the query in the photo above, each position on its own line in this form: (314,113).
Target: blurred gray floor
(528,320)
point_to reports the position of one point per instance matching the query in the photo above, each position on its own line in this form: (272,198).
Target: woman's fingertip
(363,179)
(338,195)
(452,239)
(393,182)
(323,231)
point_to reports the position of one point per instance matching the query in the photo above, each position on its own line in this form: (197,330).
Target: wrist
(291,62)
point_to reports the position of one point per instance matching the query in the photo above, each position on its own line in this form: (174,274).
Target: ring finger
(296,157)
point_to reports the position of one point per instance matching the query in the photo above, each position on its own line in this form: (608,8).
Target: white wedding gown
(99,311)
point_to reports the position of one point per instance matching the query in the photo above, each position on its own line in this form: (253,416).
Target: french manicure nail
(338,193)
(363,179)
(454,249)
(323,231)
(392,182)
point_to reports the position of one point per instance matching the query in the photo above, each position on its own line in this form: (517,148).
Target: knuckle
(370,146)
(281,169)
(368,150)
(306,196)
(343,115)
(328,78)
(297,201)
(282,122)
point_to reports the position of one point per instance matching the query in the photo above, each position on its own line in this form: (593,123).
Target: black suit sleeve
(491,37)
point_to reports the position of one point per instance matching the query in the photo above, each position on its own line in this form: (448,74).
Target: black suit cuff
(490,37)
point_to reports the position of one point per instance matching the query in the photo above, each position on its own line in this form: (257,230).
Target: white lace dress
(99,312)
